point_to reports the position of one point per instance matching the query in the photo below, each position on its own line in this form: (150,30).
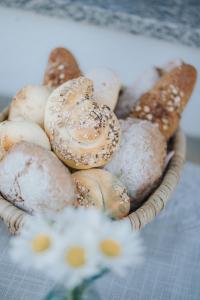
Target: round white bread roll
(13,132)
(101,189)
(106,86)
(35,180)
(139,162)
(82,133)
(29,104)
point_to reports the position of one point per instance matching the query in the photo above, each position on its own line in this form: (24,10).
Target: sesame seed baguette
(62,66)
(165,102)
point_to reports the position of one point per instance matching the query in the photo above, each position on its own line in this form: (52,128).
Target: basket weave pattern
(14,217)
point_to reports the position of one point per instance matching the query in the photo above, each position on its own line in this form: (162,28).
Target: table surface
(171,270)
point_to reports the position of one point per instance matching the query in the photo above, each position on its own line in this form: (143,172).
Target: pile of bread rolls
(64,145)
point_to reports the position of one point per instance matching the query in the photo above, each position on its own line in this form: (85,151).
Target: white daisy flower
(118,246)
(36,244)
(77,259)
(76,245)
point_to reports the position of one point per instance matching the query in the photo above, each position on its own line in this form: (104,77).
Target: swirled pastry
(101,189)
(82,133)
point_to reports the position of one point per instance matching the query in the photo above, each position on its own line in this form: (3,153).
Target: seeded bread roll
(106,86)
(164,103)
(13,132)
(82,133)
(35,180)
(139,161)
(29,104)
(101,189)
(62,66)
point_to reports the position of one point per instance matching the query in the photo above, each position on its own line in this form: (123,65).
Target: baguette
(165,102)
(62,66)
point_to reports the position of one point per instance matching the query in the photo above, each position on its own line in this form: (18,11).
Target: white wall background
(26,40)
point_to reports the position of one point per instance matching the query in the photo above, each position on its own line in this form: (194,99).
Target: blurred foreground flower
(75,247)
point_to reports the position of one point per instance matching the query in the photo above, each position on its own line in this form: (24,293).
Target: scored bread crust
(61,66)
(82,133)
(165,102)
(101,189)
(35,180)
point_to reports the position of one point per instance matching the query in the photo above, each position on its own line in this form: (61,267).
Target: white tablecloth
(171,270)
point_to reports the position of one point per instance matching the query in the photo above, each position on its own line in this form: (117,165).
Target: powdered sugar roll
(140,159)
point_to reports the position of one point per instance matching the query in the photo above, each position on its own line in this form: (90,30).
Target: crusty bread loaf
(34,179)
(102,190)
(164,103)
(13,132)
(82,133)
(62,66)
(106,86)
(29,104)
(139,161)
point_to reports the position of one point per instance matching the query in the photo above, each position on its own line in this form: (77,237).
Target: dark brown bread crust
(62,66)
(164,103)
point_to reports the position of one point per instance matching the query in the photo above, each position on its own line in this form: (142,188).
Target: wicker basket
(14,217)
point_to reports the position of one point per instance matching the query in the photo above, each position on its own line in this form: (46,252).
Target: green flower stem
(78,293)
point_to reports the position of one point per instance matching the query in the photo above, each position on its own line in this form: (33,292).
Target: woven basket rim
(14,217)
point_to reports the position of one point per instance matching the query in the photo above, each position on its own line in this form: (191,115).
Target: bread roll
(101,189)
(29,104)
(82,133)
(139,162)
(164,103)
(34,179)
(62,66)
(106,86)
(13,132)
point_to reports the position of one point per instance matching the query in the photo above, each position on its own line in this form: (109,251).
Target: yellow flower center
(110,248)
(41,243)
(75,257)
